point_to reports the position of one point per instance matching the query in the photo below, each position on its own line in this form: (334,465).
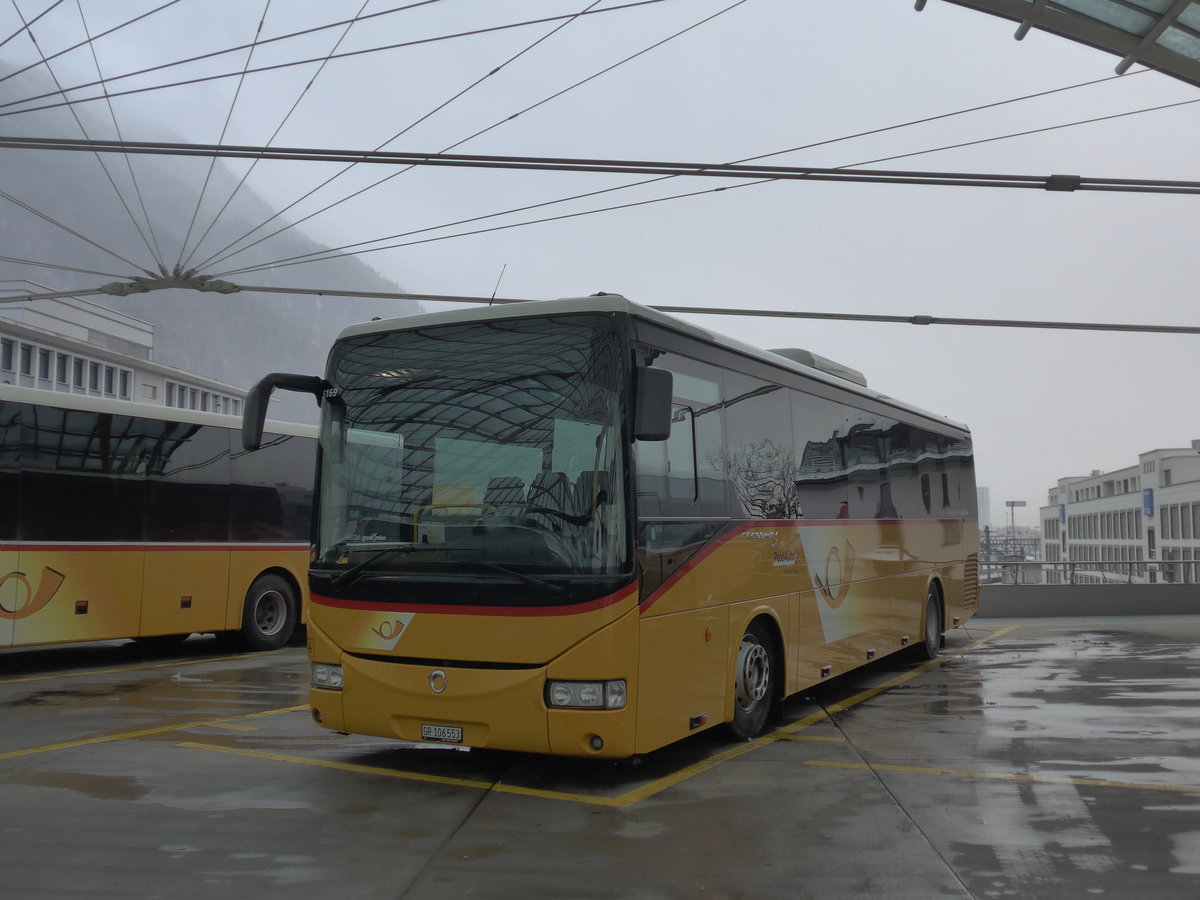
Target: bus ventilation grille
(971,582)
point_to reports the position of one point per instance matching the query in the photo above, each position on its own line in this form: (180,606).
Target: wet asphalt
(1054,759)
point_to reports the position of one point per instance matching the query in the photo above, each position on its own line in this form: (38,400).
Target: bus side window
(187,484)
(667,469)
(10,443)
(681,455)
(761,453)
(56,447)
(270,489)
(820,459)
(685,475)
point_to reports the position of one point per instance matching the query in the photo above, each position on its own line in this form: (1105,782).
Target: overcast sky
(764,76)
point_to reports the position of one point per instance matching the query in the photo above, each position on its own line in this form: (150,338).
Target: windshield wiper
(345,579)
(556,589)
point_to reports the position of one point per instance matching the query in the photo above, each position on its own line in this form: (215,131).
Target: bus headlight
(327,676)
(586,694)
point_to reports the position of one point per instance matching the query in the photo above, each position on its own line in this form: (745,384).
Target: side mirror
(254,414)
(652,404)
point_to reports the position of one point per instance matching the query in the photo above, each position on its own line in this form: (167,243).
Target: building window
(7,354)
(26,359)
(94,377)
(150,391)
(123,378)
(43,364)
(77,368)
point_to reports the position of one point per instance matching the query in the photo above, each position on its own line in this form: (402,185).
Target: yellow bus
(125,520)
(584,527)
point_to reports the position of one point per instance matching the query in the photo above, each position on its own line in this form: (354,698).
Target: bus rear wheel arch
(269,613)
(757,669)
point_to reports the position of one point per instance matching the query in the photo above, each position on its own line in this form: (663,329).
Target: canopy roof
(1161,34)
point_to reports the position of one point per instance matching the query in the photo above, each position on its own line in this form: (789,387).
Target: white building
(983,496)
(1140,523)
(79,347)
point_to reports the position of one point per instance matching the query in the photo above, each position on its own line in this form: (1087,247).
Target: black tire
(269,614)
(754,675)
(931,639)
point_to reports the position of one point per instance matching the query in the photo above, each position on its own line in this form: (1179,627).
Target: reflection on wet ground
(1047,760)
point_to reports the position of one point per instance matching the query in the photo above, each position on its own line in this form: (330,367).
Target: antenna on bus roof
(497,287)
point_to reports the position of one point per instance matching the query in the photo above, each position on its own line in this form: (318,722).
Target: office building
(75,346)
(1140,523)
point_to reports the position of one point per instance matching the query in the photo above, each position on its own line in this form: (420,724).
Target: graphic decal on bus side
(831,558)
(14,606)
(379,632)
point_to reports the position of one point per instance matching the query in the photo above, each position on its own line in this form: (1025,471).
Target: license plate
(449,733)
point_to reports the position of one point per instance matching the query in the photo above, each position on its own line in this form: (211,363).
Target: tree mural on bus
(764,480)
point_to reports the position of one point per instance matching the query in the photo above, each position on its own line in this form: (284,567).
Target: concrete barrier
(1024,601)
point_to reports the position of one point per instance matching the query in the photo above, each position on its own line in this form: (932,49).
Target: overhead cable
(355,248)
(153,245)
(613,166)
(183,250)
(278,128)
(26,25)
(202,56)
(144,284)
(227,252)
(286,65)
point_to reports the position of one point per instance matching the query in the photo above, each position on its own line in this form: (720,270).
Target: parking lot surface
(1054,759)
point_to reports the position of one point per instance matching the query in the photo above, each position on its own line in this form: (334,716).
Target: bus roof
(616,303)
(64,400)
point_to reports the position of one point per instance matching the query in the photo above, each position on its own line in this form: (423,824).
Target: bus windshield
(486,448)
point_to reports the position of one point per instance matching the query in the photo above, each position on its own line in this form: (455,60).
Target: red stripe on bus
(447,609)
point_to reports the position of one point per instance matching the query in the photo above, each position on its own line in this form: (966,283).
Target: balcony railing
(1039,572)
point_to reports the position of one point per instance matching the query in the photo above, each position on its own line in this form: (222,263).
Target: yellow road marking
(88,673)
(1012,776)
(223,721)
(787,733)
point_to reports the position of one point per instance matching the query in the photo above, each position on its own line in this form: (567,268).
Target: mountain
(57,206)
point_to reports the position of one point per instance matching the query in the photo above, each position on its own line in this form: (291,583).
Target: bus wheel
(269,614)
(931,646)
(753,682)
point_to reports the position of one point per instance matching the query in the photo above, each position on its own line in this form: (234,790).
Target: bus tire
(931,642)
(269,614)
(754,674)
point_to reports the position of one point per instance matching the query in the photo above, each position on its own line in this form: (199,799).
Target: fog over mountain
(236,337)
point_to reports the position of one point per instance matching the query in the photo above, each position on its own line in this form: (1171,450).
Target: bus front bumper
(481,707)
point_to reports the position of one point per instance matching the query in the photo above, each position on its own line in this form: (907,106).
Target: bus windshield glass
(488,449)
